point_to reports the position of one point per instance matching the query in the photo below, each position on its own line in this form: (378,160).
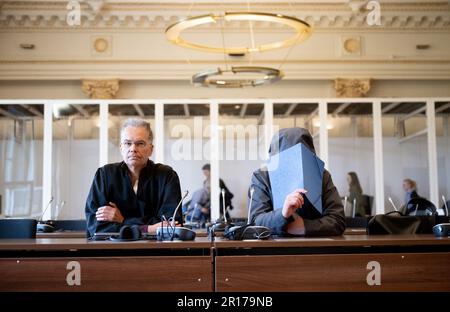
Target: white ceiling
(138,50)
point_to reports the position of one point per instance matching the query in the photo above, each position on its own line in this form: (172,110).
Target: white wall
(74,166)
(443,152)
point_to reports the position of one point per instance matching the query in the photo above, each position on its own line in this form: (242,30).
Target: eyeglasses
(137,144)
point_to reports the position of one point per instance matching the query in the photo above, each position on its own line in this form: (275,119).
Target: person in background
(297,216)
(355,194)
(410,188)
(207,185)
(135,191)
(197,210)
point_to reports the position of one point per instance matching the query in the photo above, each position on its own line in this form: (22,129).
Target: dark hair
(206,167)
(354,183)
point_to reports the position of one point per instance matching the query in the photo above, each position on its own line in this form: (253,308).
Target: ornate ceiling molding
(159,15)
(100,89)
(295,71)
(351,88)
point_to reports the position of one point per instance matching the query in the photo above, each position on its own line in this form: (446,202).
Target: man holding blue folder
(295,195)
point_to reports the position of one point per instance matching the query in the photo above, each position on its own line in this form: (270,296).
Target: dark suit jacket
(158,194)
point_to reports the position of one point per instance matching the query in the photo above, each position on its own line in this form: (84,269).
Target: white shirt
(135,186)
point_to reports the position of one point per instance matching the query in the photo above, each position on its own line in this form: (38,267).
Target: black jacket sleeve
(331,223)
(97,198)
(333,220)
(169,198)
(261,210)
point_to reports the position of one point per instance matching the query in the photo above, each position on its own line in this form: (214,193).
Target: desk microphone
(45,210)
(223,206)
(252,190)
(43,226)
(247,231)
(172,232)
(392,203)
(59,208)
(345,204)
(446,212)
(219,225)
(185,194)
(193,211)
(443,229)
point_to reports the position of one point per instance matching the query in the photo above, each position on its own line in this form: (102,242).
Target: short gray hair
(137,123)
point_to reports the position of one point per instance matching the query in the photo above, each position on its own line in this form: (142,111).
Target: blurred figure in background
(207,185)
(198,208)
(355,196)
(410,188)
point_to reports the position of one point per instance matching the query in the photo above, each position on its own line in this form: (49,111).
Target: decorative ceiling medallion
(100,45)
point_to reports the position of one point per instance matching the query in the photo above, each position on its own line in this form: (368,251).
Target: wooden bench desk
(50,264)
(346,263)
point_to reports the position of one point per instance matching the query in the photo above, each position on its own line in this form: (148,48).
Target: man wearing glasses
(134,191)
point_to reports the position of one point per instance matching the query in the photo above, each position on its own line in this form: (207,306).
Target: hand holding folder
(296,168)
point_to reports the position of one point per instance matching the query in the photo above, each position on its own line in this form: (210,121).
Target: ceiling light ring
(303,31)
(270,75)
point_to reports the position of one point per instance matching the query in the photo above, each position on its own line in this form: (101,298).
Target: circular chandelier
(269,75)
(301,28)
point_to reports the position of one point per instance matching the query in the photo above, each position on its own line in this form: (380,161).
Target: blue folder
(294,168)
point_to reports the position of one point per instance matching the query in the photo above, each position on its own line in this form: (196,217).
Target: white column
(103,119)
(378,157)
(215,174)
(268,124)
(323,134)
(159,132)
(47,165)
(432,153)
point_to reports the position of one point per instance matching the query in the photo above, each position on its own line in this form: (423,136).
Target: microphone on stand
(345,205)
(193,211)
(45,210)
(392,203)
(43,226)
(252,190)
(223,206)
(185,194)
(220,226)
(248,231)
(60,207)
(446,211)
(171,232)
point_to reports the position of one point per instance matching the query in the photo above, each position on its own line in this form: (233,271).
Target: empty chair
(446,208)
(367,203)
(18,228)
(69,225)
(420,206)
(356,222)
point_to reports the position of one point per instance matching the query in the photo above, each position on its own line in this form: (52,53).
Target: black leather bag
(397,223)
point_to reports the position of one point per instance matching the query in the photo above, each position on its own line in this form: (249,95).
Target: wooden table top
(337,241)
(63,234)
(203,242)
(81,244)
